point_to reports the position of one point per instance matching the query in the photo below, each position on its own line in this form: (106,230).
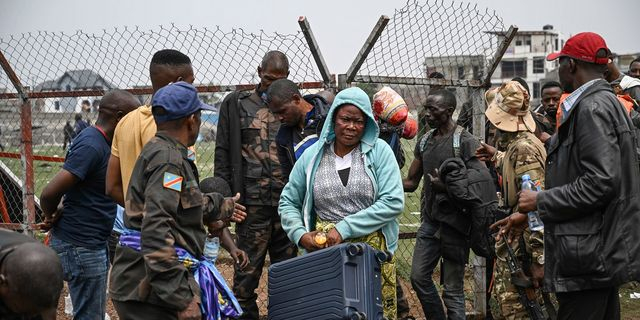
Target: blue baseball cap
(178,99)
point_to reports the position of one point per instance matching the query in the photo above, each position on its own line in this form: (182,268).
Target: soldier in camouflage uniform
(165,210)
(524,154)
(247,158)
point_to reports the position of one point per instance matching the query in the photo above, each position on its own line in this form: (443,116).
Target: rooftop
(525,33)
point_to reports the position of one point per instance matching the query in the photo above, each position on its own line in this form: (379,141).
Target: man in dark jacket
(550,95)
(80,124)
(246,158)
(301,119)
(444,228)
(69,134)
(591,206)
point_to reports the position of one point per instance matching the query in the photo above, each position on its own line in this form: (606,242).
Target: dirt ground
(630,307)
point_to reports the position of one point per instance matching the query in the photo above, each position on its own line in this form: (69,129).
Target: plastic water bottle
(211,248)
(535,223)
(68,306)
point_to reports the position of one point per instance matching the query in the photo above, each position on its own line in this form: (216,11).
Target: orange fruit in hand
(320,238)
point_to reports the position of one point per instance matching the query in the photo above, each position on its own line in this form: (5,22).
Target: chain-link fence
(65,75)
(423,44)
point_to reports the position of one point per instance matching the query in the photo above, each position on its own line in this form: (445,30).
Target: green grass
(409,220)
(43,170)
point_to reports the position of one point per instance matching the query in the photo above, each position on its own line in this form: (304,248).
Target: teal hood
(357,97)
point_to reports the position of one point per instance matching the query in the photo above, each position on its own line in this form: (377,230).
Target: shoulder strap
(456,141)
(425,139)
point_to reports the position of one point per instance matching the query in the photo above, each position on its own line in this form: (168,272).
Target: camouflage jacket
(165,204)
(525,154)
(246,150)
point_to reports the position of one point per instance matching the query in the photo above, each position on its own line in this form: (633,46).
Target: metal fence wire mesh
(64,70)
(448,41)
(435,36)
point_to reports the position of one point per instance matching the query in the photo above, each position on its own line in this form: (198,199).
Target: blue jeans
(427,253)
(85,271)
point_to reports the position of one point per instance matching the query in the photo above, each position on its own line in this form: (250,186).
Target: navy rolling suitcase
(339,282)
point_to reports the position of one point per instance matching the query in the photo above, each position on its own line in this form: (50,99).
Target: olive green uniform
(165,205)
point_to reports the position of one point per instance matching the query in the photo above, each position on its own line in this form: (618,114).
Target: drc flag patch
(172,181)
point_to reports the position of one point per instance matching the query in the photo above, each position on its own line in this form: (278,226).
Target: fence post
(328,79)
(26,152)
(342,81)
(366,48)
(479,264)
(508,37)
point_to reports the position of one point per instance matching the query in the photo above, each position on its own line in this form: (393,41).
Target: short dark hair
(523,83)
(215,184)
(592,67)
(550,84)
(276,60)
(170,57)
(448,98)
(634,61)
(37,271)
(282,90)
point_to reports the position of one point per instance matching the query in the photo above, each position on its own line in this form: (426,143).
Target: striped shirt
(568,103)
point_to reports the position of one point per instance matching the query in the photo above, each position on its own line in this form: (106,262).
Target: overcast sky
(340,26)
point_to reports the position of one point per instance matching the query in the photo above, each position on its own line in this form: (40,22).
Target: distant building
(460,67)
(73,80)
(526,58)
(623,60)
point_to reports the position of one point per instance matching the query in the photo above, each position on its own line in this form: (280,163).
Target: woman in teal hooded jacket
(347,185)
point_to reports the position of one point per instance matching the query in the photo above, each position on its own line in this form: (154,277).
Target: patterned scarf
(218,301)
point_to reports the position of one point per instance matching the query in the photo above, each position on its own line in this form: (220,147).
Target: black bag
(473,193)
(482,241)
(339,282)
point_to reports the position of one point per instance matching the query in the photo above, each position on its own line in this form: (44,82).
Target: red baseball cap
(583,46)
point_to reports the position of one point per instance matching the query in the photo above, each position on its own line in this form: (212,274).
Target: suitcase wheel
(358,316)
(355,249)
(383,256)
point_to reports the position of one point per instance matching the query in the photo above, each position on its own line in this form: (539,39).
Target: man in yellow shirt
(136,129)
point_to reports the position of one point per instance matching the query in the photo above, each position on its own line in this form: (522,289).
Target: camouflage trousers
(377,241)
(259,234)
(506,293)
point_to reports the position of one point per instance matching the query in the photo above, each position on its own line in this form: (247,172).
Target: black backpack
(481,211)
